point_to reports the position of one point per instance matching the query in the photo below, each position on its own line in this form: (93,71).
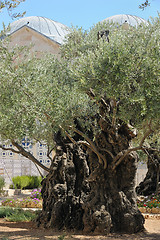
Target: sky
(82,13)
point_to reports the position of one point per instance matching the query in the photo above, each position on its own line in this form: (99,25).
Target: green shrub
(21,216)
(2,183)
(26,182)
(37,182)
(5,211)
(36,194)
(17,215)
(11,186)
(17,182)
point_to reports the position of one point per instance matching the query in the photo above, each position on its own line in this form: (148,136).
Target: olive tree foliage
(10,6)
(125,70)
(144,5)
(37,99)
(42,96)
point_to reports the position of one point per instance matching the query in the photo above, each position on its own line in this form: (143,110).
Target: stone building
(45,35)
(121,19)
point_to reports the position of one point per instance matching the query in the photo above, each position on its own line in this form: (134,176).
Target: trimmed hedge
(26,182)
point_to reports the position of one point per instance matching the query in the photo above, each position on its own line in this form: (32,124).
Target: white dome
(54,30)
(125,18)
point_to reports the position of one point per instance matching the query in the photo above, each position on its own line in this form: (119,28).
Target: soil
(29,231)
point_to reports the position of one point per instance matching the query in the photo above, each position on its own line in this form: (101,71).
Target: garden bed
(34,200)
(23,203)
(149,204)
(149,210)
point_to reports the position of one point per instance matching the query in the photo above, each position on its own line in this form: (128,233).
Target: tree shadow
(29,231)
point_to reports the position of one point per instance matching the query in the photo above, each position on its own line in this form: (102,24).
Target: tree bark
(150,184)
(79,194)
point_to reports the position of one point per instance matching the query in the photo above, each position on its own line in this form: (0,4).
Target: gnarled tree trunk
(80,194)
(150,184)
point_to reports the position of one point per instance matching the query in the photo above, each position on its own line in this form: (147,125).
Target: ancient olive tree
(96,106)
(91,182)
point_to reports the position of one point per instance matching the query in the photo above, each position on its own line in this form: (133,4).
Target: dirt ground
(29,231)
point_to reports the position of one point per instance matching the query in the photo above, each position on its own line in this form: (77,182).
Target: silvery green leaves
(40,95)
(127,68)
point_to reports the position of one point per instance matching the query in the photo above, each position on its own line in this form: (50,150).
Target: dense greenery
(26,182)
(17,215)
(126,69)
(41,96)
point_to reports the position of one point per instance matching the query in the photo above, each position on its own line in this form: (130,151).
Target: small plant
(2,184)
(36,194)
(9,202)
(17,215)
(5,211)
(21,216)
(61,237)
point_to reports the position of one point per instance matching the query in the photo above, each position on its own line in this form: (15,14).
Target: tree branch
(89,146)
(100,156)
(39,171)
(107,151)
(120,156)
(67,134)
(144,5)
(28,155)
(114,112)
(9,149)
(49,152)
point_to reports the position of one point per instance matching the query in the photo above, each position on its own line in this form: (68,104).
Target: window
(4,154)
(26,142)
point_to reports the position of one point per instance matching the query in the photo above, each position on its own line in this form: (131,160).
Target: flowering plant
(36,194)
(149,202)
(9,202)
(23,203)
